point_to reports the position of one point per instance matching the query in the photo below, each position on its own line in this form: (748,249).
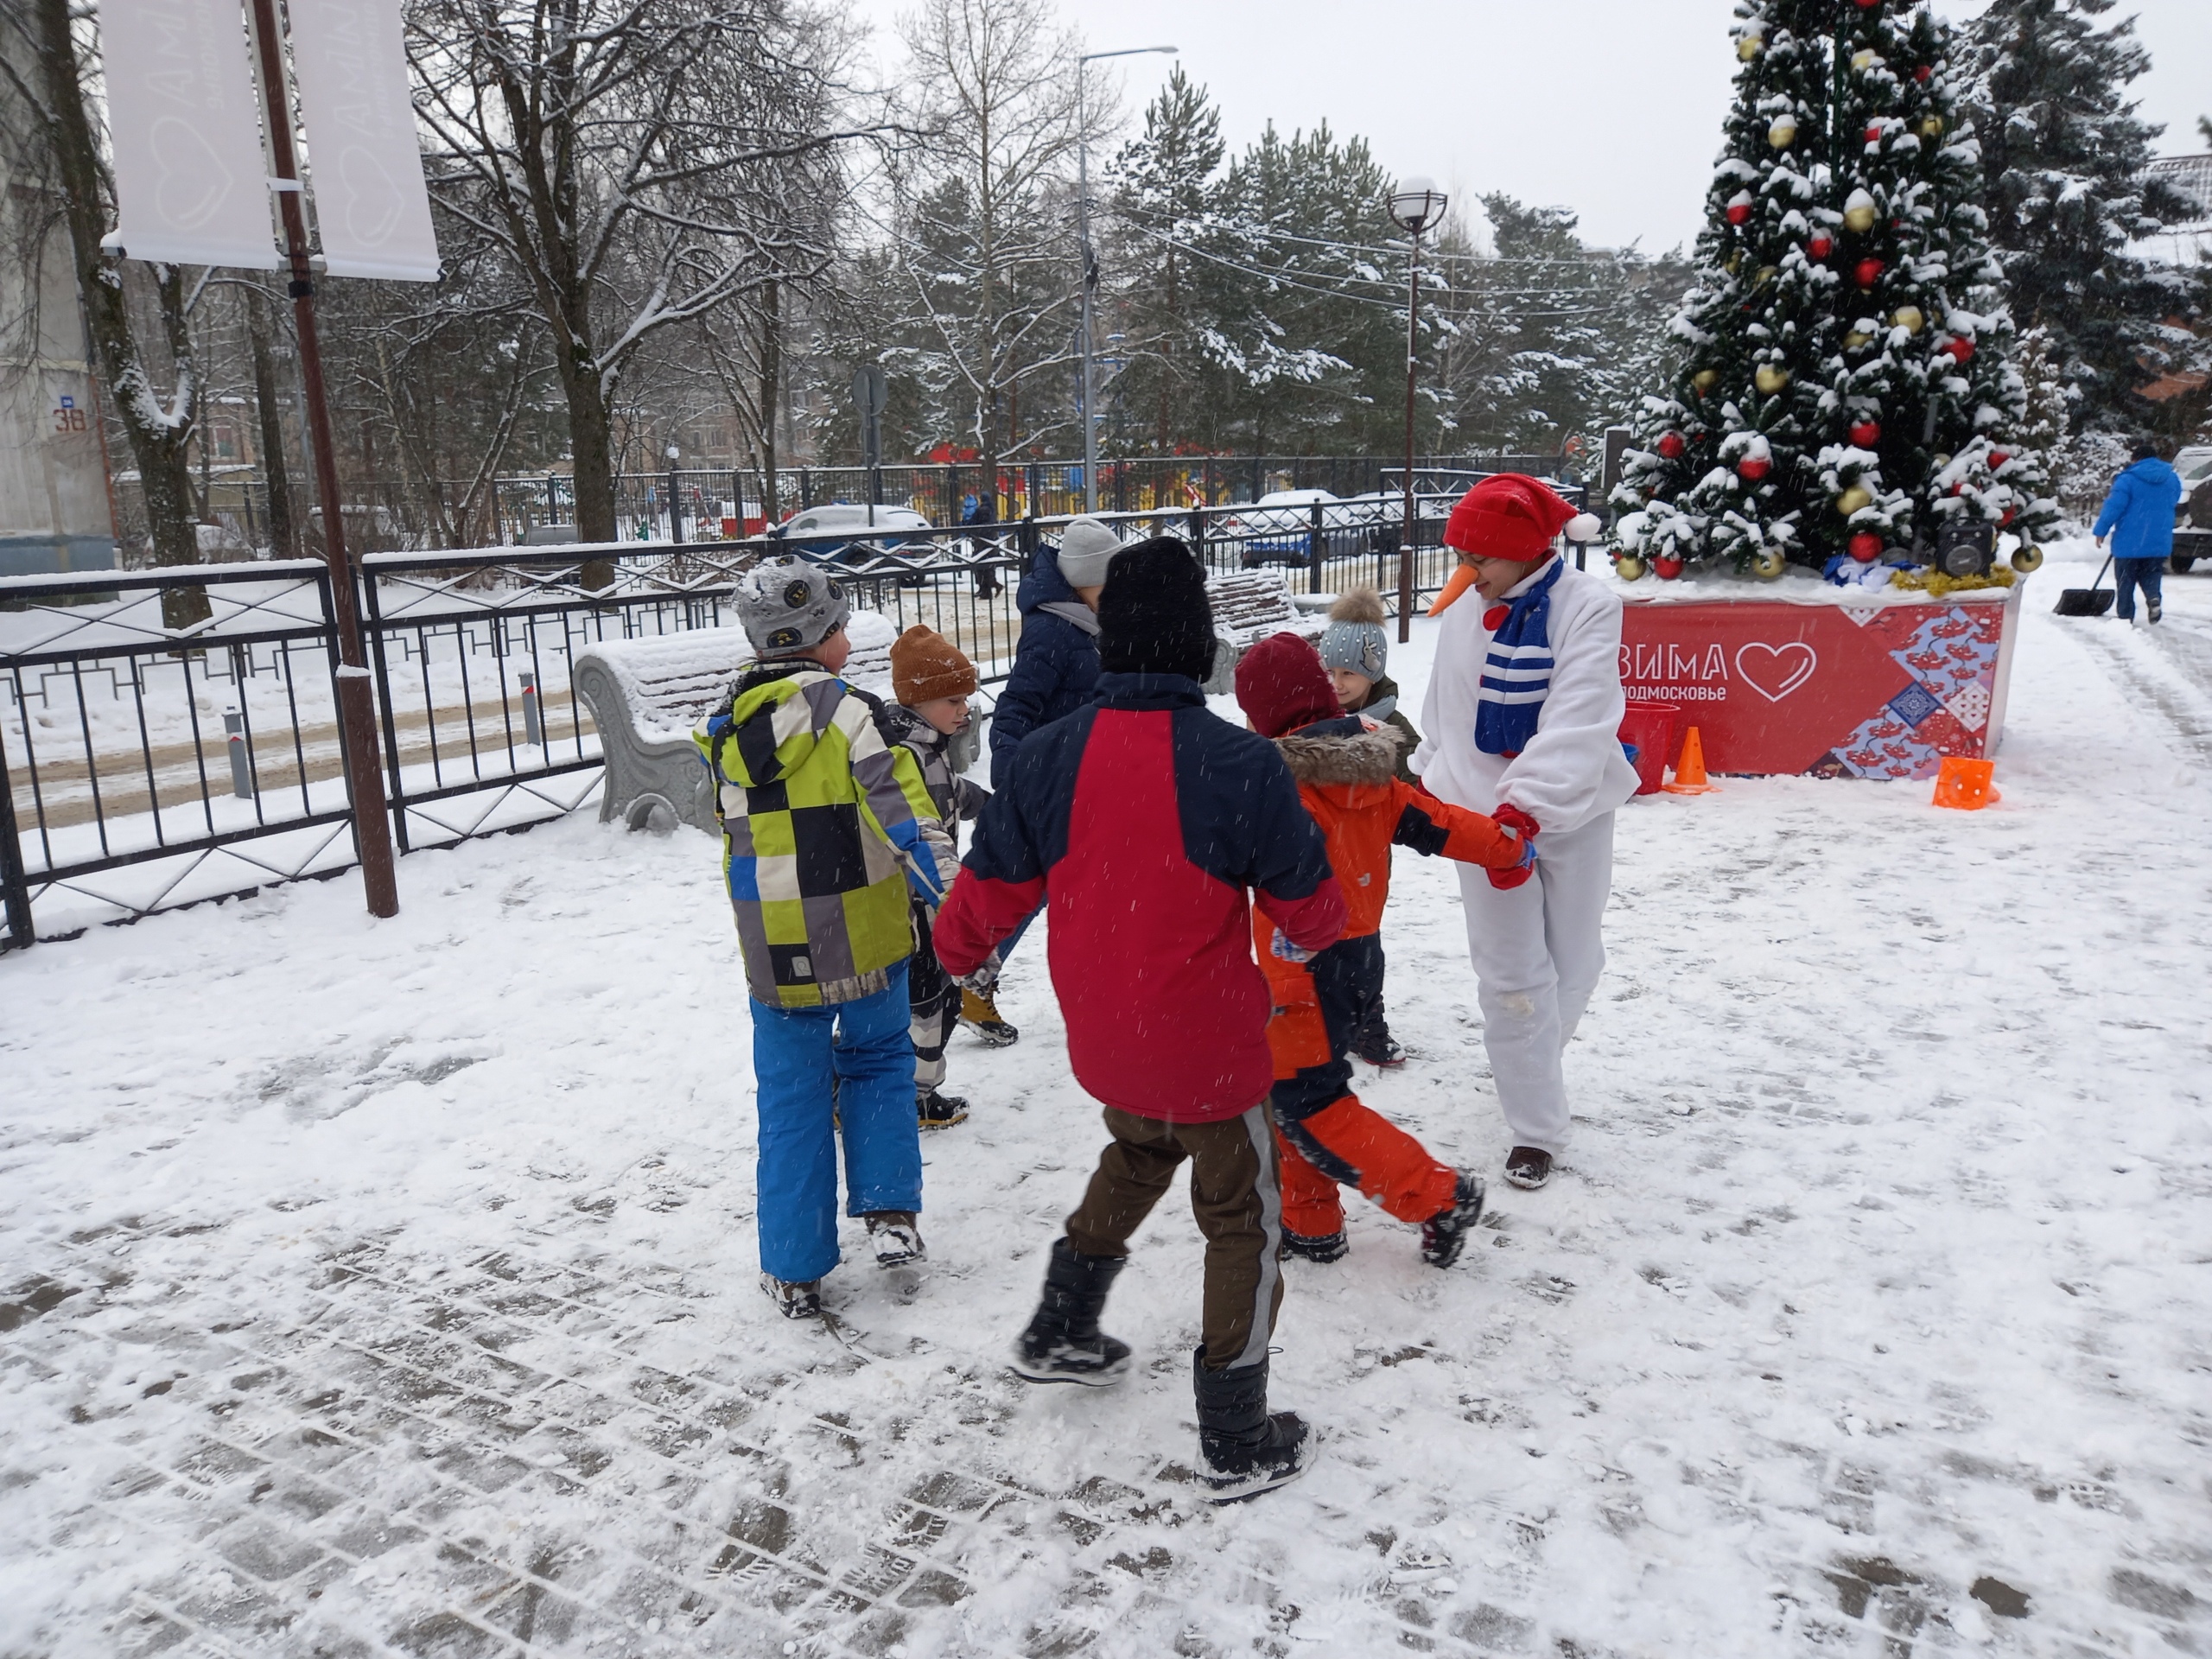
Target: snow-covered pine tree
(1724,461)
(2065,153)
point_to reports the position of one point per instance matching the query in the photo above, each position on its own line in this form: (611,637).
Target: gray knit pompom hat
(1356,639)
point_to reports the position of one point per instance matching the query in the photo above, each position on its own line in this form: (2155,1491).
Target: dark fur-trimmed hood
(1330,753)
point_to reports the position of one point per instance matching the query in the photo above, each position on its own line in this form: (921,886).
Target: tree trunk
(158,438)
(772,378)
(591,442)
(269,403)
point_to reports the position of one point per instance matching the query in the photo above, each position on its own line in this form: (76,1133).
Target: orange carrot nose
(1461,579)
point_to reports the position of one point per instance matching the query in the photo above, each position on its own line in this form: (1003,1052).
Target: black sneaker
(1328,1247)
(981,1016)
(1445,1235)
(1381,1052)
(1528,1167)
(794,1298)
(1244,1449)
(2153,610)
(938,1111)
(1063,1342)
(897,1236)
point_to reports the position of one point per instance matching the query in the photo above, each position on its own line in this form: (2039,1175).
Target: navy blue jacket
(2139,514)
(1150,825)
(1055,666)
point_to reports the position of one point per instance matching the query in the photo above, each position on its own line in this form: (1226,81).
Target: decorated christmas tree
(1846,276)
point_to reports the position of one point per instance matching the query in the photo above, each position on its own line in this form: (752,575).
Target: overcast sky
(1612,107)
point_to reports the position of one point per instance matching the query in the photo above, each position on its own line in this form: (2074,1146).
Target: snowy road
(374,1288)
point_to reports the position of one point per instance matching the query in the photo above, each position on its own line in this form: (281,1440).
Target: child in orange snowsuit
(1347,771)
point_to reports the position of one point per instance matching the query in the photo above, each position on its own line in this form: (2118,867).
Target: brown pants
(1237,1195)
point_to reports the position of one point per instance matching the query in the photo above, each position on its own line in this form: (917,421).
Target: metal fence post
(14,886)
(1316,548)
(533,725)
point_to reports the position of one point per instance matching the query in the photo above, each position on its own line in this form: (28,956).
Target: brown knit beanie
(925,664)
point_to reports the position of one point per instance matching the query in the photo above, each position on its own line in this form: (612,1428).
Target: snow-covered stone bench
(1248,606)
(647,695)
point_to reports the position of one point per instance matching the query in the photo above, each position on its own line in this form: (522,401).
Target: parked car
(847,532)
(2193,524)
(1279,527)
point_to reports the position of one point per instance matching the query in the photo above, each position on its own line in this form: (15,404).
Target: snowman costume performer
(1523,718)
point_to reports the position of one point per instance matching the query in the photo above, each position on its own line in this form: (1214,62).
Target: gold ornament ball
(1770,379)
(1735,262)
(1769,565)
(1630,568)
(1932,127)
(1909,318)
(1748,47)
(1783,131)
(2027,559)
(1861,219)
(1865,58)
(1852,499)
(1857,341)
(1706,380)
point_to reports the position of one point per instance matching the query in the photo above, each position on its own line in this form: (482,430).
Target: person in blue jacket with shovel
(2139,515)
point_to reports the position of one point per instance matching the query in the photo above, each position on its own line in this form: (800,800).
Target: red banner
(1836,690)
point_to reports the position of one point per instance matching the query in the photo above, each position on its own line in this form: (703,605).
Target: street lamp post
(1090,261)
(1416,204)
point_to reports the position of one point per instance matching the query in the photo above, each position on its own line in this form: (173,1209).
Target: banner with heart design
(1776,687)
(365,168)
(190,183)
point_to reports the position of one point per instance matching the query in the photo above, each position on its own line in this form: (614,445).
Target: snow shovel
(2091,600)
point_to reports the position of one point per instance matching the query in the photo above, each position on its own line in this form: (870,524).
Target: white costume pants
(1537,951)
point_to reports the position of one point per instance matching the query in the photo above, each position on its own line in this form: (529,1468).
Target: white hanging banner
(191,185)
(365,170)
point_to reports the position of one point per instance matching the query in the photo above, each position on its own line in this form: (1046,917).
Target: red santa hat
(1509,516)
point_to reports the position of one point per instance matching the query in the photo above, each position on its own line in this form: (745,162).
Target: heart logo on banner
(193,180)
(372,212)
(1774,672)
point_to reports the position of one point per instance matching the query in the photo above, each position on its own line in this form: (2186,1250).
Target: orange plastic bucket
(1965,784)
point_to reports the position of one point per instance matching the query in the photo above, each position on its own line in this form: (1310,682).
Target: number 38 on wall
(68,417)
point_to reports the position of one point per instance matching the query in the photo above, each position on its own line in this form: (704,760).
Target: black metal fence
(698,505)
(147,766)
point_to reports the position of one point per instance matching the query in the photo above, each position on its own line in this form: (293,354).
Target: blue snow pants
(2128,574)
(856,1060)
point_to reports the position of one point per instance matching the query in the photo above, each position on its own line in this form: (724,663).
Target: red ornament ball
(1821,246)
(1873,132)
(1668,568)
(1868,272)
(1868,5)
(2010,513)
(1959,350)
(1751,468)
(1997,458)
(1494,618)
(1867,546)
(1867,433)
(1671,445)
(1739,212)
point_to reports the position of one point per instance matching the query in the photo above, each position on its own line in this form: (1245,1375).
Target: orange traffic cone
(1461,579)
(1689,771)
(1965,784)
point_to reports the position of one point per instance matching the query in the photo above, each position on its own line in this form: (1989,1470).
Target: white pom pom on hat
(1583,527)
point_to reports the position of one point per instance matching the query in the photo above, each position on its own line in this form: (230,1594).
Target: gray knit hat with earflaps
(787,606)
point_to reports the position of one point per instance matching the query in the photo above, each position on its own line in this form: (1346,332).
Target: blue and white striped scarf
(1517,673)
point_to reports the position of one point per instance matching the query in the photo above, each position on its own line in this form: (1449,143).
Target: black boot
(1063,1343)
(1244,1450)
(1444,1235)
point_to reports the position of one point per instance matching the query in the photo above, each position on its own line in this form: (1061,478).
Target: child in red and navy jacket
(1148,826)
(1347,768)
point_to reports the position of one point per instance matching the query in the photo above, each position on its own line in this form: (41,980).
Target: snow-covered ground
(388,1287)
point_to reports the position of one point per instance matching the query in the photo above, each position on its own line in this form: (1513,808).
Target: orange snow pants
(1327,1135)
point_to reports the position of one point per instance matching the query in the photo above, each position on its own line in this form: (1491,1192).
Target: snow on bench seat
(1249,605)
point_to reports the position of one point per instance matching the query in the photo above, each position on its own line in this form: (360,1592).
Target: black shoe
(938,1111)
(1243,1448)
(2153,610)
(981,1016)
(1381,1052)
(1328,1247)
(1063,1343)
(897,1236)
(794,1298)
(1526,1167)
(1444,1236)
